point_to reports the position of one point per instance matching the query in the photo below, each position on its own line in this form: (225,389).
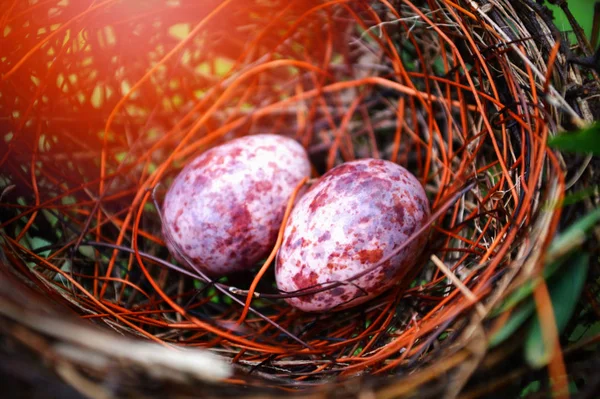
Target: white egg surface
(355,215)
(224,209)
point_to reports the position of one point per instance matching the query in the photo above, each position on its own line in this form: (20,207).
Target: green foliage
(533,387)
(565,273)
(517,319)
(575,234)
(582,10)
(38,243)
(50,217)
(585,141)
(565,290)
(562,245)
(573,198)
(87,251)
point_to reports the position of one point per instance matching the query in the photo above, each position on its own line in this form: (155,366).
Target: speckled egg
(357,214)
(224,209)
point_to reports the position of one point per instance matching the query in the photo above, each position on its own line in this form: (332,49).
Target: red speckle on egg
(224,209)
(326,236)
(241,221)
(319,201)
(305,281)
(356,215)
(399,210)
(235,152)
(199,180)
(177,216)
(370,255)
(262,186)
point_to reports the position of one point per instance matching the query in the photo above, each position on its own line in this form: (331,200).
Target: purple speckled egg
(224,209)
(357,214)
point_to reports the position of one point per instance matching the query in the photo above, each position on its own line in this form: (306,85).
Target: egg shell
(224,210)
(357,214)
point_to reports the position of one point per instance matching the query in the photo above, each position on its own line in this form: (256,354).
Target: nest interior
(102,103)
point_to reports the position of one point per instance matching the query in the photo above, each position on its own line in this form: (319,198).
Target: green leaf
(574,235)
(526,289)
(37,243)
(579,196)
(50,217)
(69,200)
(87,251)
(586,141)
(569,240)
(582,12)
(583,331)
(531,388)
(565,290)
(516,320)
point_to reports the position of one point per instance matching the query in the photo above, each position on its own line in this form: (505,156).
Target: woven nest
(102,103)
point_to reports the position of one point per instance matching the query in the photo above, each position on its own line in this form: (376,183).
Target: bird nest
(102,103)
